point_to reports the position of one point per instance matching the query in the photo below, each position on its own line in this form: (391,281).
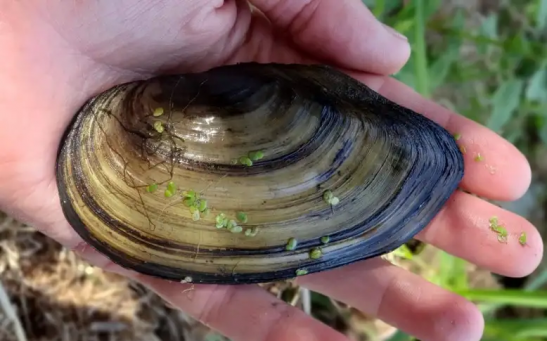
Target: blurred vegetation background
(485,59)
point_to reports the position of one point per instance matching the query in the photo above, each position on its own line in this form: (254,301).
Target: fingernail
(395,33)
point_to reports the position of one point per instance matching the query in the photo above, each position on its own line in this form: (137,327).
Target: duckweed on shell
(291,244)
(251,232)
(256,155)
(152,188)
(158,125)
(242,217)
(158,112)
(235,229)
(245,160)
(315,253)
(301,272)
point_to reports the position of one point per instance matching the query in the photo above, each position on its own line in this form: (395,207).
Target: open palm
(55,55)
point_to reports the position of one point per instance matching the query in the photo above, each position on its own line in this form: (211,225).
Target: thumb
(343,32)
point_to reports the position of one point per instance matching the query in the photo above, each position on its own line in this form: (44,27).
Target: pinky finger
(239,312)
(243,313)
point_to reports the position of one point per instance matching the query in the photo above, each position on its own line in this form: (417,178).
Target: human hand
(55,56)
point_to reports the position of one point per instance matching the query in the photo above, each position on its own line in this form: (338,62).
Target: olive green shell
(271,144)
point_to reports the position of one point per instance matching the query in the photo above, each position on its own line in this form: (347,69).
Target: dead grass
(56,296)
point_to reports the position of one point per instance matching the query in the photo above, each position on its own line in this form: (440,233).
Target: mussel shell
(318,129)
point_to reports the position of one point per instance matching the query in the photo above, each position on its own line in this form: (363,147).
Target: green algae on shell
(316,129)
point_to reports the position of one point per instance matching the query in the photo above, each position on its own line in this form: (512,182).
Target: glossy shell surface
(338,173)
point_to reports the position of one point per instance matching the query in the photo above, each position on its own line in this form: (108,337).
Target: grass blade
(530,299)
(518,329)
(542,15)
(422,85)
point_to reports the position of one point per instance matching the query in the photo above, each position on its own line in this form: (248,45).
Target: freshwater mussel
(251,173)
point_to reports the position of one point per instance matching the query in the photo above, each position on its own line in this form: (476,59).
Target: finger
(401,299)
(243,313)
(239,312)
(502,171)
(462,229)
(342,32)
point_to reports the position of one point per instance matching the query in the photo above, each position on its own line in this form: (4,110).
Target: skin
(56,54)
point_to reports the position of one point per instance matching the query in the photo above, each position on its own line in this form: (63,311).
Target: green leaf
(431,7)
(530,299)
(517,44)
(452,272)
(404,26)
(406,74)
(537,88)
(537,282)
(440,68)
(517,329)
(379,8)
(542,15)
(489,26)
(419,46)
(401,336)
(404,252)
(506,100)
(488,29)
(458,21)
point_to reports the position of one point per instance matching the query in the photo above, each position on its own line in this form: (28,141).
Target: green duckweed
(291,244)
(158,125)
(330,199)
(251,232)
(245,160)
(158,112)
(152,188)
(256,155)
(315,253)
(301,272)
(242,217)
